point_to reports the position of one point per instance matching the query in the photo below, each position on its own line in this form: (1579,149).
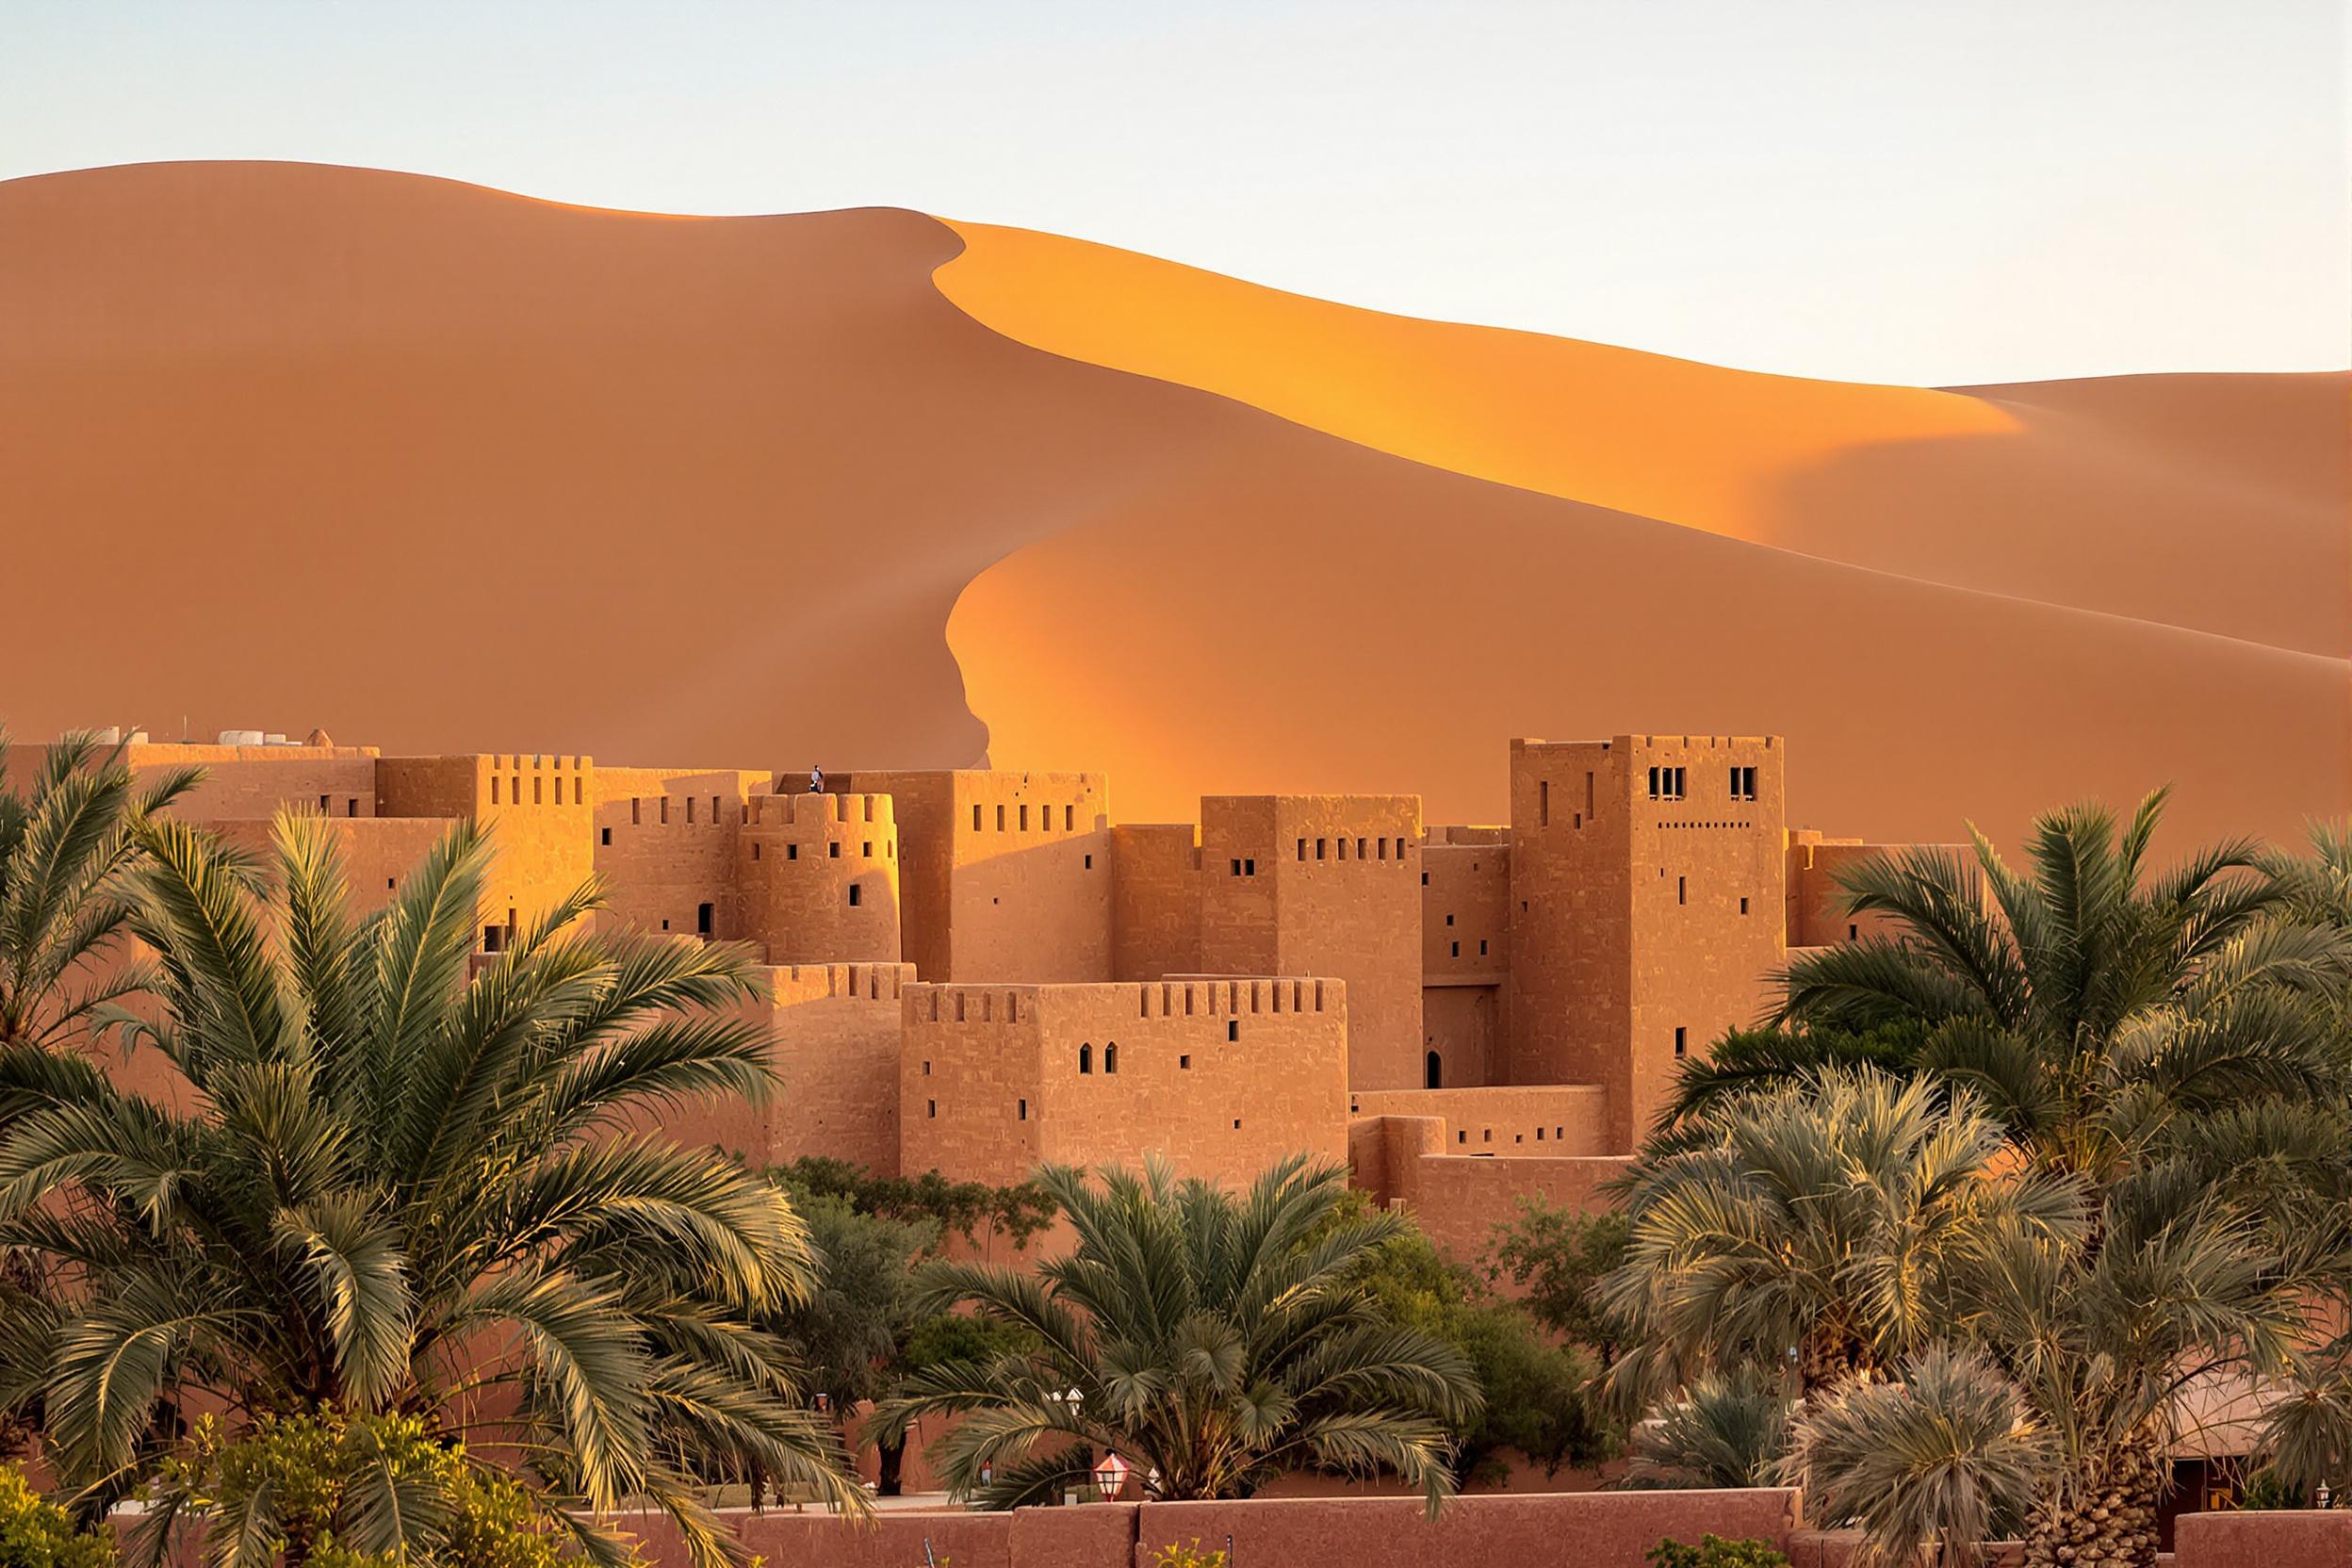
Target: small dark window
(1682,890)
(1302,849)
(1086,1058)
(1425,879)
(702,920)
(792,851)
(1069,819)
(1319,845)
(325,805)
(1000,818)
(494,789)
(927,1070)
(1682,1042)
(350,806)
(1249,868)
(1024,1110)
(1110,1057)
(1025,819)
(1449,920)
(975,816)
(1543,803)
(1539,1134)
(1486,1135)
(1236,868)
(1184,1063)
(493,939)
(604,836)
(833,850)
(1456,949)
(1433,1071)
(1481,947)
(636,808)
(1359,849)
(666,925)
(867,849)
(931,1108)
(666,810)
(1743,905)
(1236,1124)
(1462,1137)
(854,891)
(755,849)
(1233,1029)
(1853,933)
(1090,863)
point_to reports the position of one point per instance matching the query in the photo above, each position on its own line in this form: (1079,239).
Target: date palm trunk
(2106,1516)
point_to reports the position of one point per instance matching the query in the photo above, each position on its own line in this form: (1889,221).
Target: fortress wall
(818,878)
(536,807)
(1155,900)
(1331,884)
(1571,965)
(1817,915)
(1006,876)
(836,1050)
(665,843)
(1508,1123)
(1466,955)
(378,852)
(1221,1076)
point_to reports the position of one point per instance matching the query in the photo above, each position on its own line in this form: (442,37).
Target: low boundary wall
(1590,1530)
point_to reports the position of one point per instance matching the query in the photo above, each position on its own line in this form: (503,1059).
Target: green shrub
(36,1533)
(1713,1551)
(1174,1556)
(290,1485)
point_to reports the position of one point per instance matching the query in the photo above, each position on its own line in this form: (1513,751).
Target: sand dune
(446,469)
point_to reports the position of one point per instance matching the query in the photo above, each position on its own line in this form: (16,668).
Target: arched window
(1110,1057)
(1436,1071)
(1085,1058)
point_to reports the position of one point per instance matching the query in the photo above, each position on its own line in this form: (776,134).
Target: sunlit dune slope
(1990,492)
(443,468)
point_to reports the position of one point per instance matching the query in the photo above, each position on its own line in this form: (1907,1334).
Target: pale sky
(1933,191)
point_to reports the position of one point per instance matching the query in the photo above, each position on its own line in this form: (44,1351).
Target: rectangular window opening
(604,836)
(854,899)
(1682,1042)
(1543,803)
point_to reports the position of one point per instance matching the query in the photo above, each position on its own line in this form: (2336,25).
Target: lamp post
(1109,1477)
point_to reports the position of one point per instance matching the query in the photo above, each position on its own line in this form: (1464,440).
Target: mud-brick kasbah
(978,972)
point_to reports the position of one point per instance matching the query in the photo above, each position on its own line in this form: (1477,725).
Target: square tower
(1003,877)
(1323,885)
(1647,913)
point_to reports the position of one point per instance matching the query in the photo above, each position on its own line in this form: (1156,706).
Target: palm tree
(394,1187)
(64,847)
(1211,1339)
(1727,1430)
(1947,1458)
(2088,1000)
(2171,1042)
(1814,1222)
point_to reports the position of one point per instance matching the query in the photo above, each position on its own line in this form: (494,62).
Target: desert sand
(443,468)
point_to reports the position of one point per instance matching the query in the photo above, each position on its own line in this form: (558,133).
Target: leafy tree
(65,845)
(1557,1256)
(37,1533)
(1727,1430)
(1932,1465)
(332,1490)
(1535,1402)
(392,1185)
(976,1211)
(1200,1333)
